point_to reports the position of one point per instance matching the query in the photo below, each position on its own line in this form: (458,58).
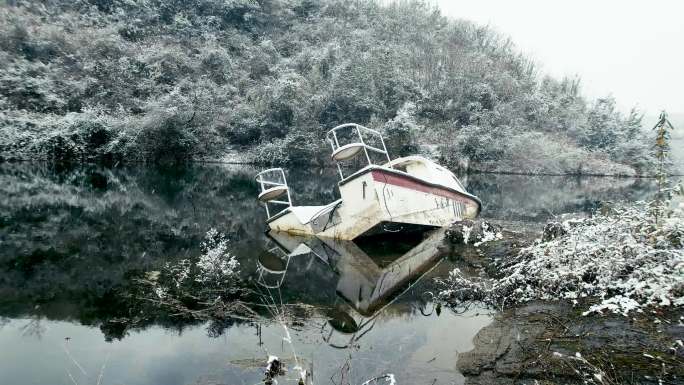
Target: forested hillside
(170,80)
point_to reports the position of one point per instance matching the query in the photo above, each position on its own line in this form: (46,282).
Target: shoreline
(256,164)
(552,340)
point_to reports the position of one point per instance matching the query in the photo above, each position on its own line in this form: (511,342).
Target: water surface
(72,240)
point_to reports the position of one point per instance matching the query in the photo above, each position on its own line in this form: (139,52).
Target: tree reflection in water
(79,242)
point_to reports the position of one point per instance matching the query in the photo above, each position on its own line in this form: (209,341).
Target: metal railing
(273,177)
(332,138)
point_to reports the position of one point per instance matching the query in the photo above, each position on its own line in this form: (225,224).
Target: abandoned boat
(380,195)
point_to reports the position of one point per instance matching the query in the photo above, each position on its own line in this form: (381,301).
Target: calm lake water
(72,240)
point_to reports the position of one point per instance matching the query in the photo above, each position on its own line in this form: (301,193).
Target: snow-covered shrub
(216,264)
(163,134)
(480,144)
(177,272)
(295,148)
(536,152)
(401,132)
(214,272)
(271,152)
(204,287)
(243,126)
(621,258)
(76,137)
(474,233)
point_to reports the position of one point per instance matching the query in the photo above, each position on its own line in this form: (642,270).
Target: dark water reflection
(72,239)
(540,198)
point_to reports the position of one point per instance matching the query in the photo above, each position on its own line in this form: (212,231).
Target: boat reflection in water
(367,274)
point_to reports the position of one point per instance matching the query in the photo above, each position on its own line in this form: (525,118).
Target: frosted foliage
(621,258)
(179,272)
(488,235)
(215,263)
(202,285)
(215,266)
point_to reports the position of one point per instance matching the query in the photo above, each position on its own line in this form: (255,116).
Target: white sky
(632,49)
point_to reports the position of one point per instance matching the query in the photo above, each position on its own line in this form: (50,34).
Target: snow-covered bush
(216,264)
(401,133)
(74,136)
(206,287)
(214,272)
(295,148)
(620,258)
(164,133)
(474,233)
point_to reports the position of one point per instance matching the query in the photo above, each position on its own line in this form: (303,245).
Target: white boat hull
(376,196)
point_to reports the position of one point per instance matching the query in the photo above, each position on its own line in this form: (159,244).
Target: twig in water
(70,376)
(99,377)
(74,360)
(387,377)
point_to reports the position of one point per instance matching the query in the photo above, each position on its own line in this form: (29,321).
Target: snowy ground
(621,258)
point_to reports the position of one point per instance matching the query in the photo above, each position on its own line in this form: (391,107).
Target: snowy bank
(620,257)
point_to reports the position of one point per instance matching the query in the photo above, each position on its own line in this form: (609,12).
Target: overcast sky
(632,49)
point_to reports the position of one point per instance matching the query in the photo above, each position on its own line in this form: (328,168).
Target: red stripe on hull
(410,183)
